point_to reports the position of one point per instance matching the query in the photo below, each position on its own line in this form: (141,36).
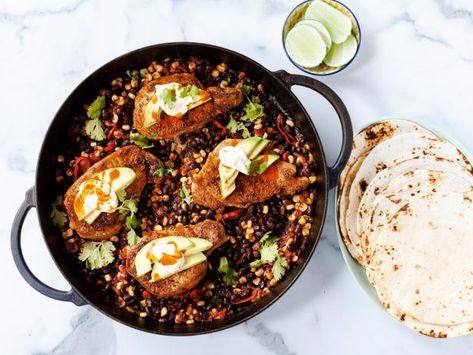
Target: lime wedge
(341,54)
(336,22)
(305,46)
(320,28)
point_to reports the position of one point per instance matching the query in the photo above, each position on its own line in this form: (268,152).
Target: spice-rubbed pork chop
(278,180)
(185,280)
(108,224)
(168,127)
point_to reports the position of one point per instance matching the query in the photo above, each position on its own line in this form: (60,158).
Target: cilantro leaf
(96,255)
(229,274)
(245,89)
(129,208)
(162,170)
(132,238)
(94,129)
(58,217)
(235,126)
(121,195)
(141,141)
(169,97)
(253,111)
(93,126)
(185,195)
(143,72)
(270,254)
(189,90)
(279,267)
(95,109)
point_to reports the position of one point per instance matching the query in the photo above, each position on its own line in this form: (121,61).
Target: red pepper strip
(219,315)
(110,146)
(219,125)
(287,136)
(231,215)
(251,297)
(109,134)
(77,162)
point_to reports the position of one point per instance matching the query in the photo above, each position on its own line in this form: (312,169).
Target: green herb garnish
(96,255)
(129,208)
(59,217)
(141,141)
(93,126)
(162,170)
(185,195)
(169,97)
(189,90)
(270,254)
(143,72)
(229,274)
(253,110)
(234,126)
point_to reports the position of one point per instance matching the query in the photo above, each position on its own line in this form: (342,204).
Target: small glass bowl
(298,13)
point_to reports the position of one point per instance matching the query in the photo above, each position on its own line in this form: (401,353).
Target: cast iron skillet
(41,195)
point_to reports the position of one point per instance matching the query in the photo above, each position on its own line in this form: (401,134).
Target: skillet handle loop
(30,278)
(342,113)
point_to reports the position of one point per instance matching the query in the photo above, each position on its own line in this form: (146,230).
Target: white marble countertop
(416,61)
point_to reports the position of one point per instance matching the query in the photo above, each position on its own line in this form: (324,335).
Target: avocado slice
(118,179)
(182,243)
(190,261)
(142,263)
(259,165)
(252,146)
(200,245)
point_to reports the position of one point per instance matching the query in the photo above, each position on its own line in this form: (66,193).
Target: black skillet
(41,195)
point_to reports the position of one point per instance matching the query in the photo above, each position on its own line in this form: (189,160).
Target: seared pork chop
(278,180)
(184,280)
(168,127)
(108,224)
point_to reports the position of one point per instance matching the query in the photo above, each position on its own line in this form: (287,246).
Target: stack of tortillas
(405,211)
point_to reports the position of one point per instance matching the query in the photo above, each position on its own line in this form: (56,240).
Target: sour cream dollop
(235,158)
(95,195)
(167,259)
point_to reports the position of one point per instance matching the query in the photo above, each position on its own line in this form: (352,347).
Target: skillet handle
(342,112)
(30,278)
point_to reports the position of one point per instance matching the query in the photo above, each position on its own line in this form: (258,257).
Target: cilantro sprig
(169,97)
(189,90)
(235,126)
(269,252)
(93,126)
(97,255)
(162,170)
(185,195)
(229,274)
(129,208)
(141,141)
(58,217)
(253,109)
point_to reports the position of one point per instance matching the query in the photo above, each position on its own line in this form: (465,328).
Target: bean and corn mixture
(265,239)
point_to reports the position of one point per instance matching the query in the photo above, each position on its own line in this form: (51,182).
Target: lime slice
(341,54)
(305,46)
(320,28)
(336,22)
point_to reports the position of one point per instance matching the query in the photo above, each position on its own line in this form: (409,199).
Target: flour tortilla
(431,330)
(401,191)
(386,177)
(385,154)
(363,143)
(422,260)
